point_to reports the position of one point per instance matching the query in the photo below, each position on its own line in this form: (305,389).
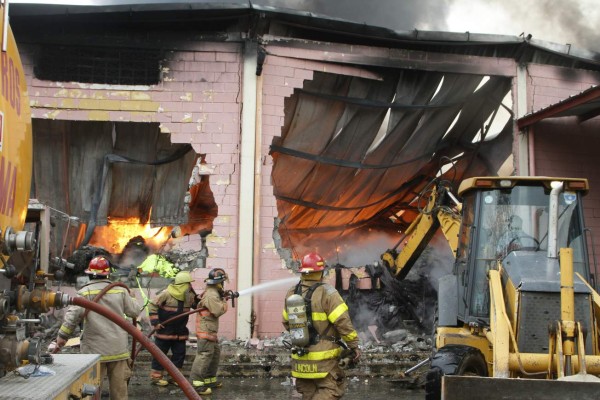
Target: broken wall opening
(354,154)
(127,184)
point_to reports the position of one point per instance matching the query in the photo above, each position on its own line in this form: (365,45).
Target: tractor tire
(453,360)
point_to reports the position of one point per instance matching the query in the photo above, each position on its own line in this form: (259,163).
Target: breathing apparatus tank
(298,321)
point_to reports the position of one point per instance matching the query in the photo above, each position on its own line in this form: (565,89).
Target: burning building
(265,133)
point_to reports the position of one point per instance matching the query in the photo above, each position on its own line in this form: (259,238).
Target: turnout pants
(331,387)
(177,348)
(118,374)
(206,363)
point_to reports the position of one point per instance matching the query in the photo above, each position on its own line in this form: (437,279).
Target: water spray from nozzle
(268,285)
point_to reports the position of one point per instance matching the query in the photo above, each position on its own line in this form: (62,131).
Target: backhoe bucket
(455,387)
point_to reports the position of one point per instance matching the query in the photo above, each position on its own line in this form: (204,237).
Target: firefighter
(100,335)
(177,299)
(213,304)
(318,320)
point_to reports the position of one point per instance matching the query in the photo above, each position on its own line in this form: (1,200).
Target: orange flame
(117,233)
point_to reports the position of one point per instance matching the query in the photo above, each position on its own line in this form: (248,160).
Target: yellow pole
(567,305)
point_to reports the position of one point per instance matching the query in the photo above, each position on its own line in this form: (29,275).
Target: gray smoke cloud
(559,21)
(402,15)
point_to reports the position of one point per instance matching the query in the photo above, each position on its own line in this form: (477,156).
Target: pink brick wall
(548,85)
(563,147)
(197,102)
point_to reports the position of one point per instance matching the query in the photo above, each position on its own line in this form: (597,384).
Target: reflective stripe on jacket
(163,307)
(100,335)
(330,319)
(212,307)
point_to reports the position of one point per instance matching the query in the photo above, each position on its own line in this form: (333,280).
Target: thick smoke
(401,15)
(559,21)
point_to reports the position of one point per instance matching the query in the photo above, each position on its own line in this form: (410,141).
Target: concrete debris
(396,335)
(287,382)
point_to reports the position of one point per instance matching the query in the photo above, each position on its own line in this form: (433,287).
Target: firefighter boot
(213,383)
(201,388)
(173,381)
(156,378)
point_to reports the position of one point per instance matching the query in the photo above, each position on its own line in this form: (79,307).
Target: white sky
(560,21)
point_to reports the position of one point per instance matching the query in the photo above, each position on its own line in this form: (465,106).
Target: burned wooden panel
(96,170)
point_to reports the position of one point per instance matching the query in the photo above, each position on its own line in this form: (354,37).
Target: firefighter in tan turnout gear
(100,335)
(178,298)
(318,320)
(213,304)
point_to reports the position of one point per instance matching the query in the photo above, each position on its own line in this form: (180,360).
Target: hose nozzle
(230,294)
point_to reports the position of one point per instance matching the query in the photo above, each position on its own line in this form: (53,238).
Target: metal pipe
(553,220)
(183,383)
(419,365)
(538,362)
(567,305)
(5,26)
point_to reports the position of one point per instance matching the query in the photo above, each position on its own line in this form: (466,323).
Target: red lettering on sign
(8,187)
(11,82)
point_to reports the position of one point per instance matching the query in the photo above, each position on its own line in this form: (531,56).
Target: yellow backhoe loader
(518,318)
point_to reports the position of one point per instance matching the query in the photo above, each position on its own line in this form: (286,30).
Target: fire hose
(139,348)
(183,383)
(229,294)
(97,298)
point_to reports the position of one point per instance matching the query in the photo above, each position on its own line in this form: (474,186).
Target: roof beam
(563,106)
(390,58)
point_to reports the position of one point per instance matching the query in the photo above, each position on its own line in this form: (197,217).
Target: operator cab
(507,220)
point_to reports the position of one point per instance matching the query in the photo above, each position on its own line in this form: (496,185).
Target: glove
(58,344)
(357,355)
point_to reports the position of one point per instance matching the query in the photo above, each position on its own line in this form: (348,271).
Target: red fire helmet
(312,262)
(98,266)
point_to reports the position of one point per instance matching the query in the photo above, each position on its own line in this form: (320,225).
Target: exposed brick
(227,77)
(228,57)
(233,67)
(205,56)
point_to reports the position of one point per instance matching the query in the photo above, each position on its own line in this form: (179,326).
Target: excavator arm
(441,212)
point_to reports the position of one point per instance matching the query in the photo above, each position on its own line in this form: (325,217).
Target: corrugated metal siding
(69,159)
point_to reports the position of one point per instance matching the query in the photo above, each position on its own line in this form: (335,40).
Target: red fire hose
(183,383)
(137,350)
(97,298)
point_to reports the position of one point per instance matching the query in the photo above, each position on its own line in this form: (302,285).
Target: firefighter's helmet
(98,266)
(312,262)
(216,276)
(183,277)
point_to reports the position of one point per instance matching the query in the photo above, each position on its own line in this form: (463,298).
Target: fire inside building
(242,137)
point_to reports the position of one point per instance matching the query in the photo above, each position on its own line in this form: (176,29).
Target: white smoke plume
(559,21)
